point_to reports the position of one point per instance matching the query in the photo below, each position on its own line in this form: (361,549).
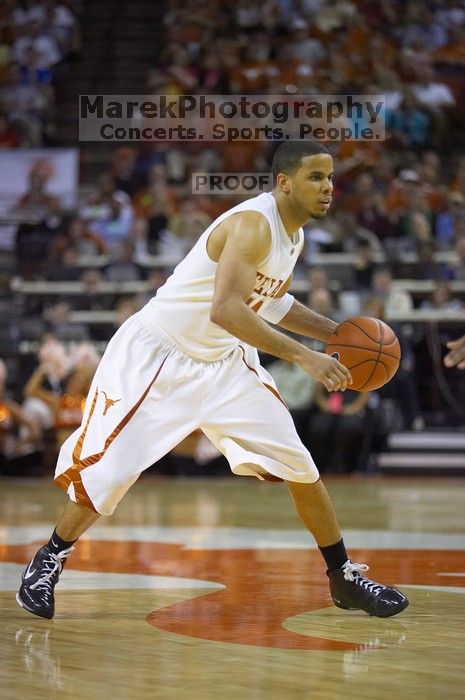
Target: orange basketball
(369,348)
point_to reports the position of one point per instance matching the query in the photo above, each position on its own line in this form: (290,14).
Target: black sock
(56,544)
(335,555)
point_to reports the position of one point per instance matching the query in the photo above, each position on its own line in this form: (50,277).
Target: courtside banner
(216,118)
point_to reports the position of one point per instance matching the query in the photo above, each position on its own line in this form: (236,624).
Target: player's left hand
(456,356)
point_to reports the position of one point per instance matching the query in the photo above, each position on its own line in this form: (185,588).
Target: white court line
(206,538)
(442,589)
(10,576)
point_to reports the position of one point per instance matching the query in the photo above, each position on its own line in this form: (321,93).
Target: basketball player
(188,360)
(456,356)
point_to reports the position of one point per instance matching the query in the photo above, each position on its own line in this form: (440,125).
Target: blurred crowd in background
(399,209)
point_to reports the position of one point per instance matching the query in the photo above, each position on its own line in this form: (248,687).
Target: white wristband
(275,310)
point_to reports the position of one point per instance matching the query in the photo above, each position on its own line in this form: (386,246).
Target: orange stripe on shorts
(72,475)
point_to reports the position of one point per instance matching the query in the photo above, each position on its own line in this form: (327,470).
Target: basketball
(369,348)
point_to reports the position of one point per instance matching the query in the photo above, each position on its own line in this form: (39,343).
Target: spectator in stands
(44,387)
(408,125)
(183,229)
(42,220)
(109,213)
(415,226)
(156,278)
(318,277)
(395,300)
(45,50)
(57,317)
(453,54)
(92,279)
(61,26)
(297,389)
(400,192)
(139,237)
(23,12)
(406,198)
(448,221)
(458,180)
(248,16)
(427,268)
(402,388)
(322,302)
(65,265)
(124,172)
(254,72)
(10,137)
(125,308)
(123,268)
(193,24)
(156,204)
(415,57)
(77,236)
(373,215)
(336,430)
(364,265)
(432,181)
(442,299)
(321,237)
(26,104)
(305,48)
(437,98)
(60,385)
(360,188)
(351,234)
(459,264)
(92,297)
(70,405)
(424,27)
(213,78)
(390,84)
(36,200)
(175,72)
(19,433)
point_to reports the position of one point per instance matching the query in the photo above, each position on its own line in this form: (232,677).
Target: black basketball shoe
(351,590)
(39,579)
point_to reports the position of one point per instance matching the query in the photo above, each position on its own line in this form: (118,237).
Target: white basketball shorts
(147,396)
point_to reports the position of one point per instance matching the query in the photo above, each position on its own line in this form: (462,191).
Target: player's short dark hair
(288,155)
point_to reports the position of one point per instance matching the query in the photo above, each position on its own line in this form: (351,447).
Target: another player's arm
(456,355)
(247,242)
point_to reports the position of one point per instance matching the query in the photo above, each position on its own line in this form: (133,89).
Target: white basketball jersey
(181,307)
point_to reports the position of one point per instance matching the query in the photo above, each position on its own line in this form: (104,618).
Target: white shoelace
(51,565)
(351,573)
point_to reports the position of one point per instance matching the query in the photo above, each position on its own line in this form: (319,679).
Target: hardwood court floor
(212,589)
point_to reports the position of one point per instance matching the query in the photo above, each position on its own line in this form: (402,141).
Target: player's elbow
(226,314)
(218,314)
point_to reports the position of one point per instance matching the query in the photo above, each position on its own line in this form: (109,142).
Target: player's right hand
(456,356)
(327,370)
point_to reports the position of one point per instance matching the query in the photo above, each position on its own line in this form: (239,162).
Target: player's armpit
(247,242)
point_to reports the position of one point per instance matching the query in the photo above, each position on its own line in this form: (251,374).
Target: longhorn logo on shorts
(108,402)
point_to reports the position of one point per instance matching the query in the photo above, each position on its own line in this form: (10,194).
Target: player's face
(311,186)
